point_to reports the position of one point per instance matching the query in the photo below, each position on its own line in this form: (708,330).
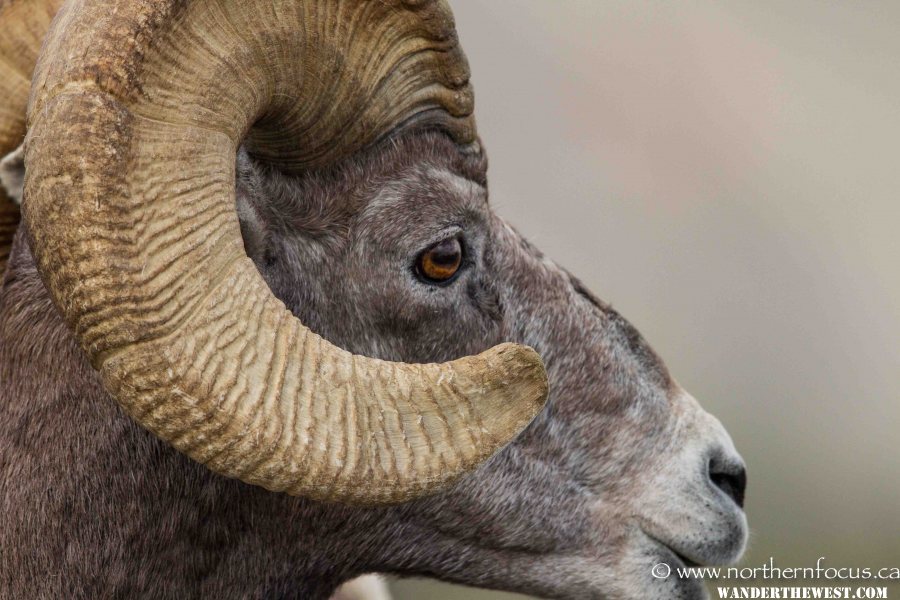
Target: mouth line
(687,562)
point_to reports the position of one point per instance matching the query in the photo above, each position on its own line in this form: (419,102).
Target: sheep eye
(441,262)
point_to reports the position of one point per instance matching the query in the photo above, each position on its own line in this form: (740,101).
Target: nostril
(730,478)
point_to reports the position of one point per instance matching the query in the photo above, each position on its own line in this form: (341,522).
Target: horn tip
(525,382)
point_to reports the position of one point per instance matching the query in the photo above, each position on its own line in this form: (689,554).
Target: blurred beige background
(728,175)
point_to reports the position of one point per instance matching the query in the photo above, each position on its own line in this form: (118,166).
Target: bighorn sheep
(209,182)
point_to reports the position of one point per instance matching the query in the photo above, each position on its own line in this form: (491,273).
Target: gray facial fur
(611,478)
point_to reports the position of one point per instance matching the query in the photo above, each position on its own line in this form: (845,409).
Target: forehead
(428,188)
(424,200)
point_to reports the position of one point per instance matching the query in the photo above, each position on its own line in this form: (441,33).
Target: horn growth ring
(137,113)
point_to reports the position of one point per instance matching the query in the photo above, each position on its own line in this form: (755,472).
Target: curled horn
(138,111)
(23,24)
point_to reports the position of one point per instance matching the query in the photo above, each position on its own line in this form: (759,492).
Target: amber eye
(440,262)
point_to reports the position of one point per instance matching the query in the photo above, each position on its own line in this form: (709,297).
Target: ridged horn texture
(23,24)
(138,111)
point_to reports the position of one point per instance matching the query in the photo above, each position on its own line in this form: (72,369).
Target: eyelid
(442,235)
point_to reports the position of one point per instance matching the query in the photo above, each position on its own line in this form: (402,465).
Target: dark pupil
(445,254)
